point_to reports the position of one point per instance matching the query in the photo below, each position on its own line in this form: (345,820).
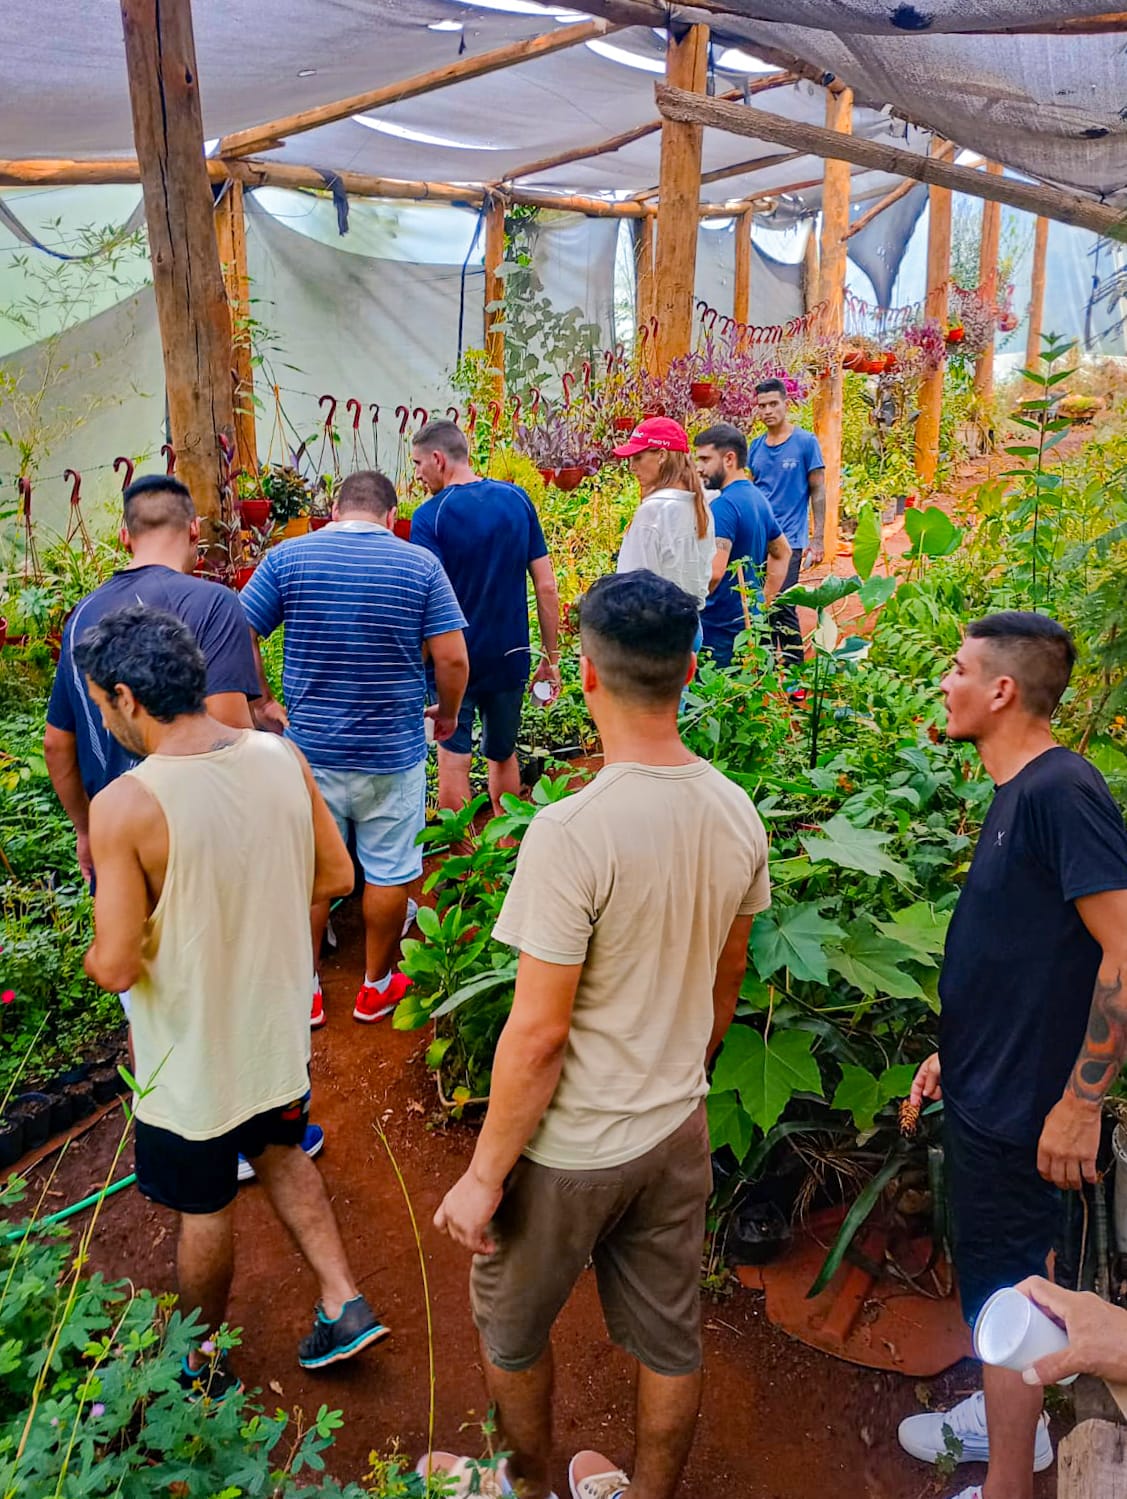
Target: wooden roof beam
(1052,202)
(267,137)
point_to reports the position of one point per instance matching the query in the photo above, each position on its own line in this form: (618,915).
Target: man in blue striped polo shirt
(358,604)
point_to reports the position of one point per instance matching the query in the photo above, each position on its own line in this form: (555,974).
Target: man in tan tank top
(209,853)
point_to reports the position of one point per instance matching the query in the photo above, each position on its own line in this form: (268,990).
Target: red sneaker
(317,1016)
(375,1004)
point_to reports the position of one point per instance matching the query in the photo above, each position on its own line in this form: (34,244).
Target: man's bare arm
(60,750)
(778,560)
(123,900)
(730,970)
(817,547)
(543,576)
(720,562)
(1071,1134)
(451,674)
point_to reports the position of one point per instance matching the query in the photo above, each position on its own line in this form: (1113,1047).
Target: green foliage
(541,341)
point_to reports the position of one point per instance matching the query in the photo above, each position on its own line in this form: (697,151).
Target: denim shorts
(388,813)
(500,723)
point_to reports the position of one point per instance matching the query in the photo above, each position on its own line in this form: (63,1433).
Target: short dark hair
(156,500)
(152,653)
(1035,650)
(367,489)
(639,630)
(772,386)
(443,437)
(725,439)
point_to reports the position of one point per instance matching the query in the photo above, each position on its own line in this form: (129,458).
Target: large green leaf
(829,591)
(932,532)
(876,592)
(793,937)
(858,1094)
(728,1123)
(499,978)
(767,1074)
(919,927)
(870,962)
(866,541)
(854,848)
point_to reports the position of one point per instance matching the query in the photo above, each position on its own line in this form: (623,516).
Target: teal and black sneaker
(212,1381)
(331,1341)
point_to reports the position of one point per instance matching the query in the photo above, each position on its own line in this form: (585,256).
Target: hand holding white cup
(1013,1332)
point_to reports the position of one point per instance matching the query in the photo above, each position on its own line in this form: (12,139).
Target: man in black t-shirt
(1033,1026)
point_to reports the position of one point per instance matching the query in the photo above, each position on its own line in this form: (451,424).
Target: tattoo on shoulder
(1105,1042)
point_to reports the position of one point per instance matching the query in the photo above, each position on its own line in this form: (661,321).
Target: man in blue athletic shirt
(487,535)
(748,539)
(787,464)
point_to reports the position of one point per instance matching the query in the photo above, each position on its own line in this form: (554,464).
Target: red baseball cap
(655,432)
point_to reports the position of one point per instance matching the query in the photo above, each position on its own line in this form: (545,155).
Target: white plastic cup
(1013,1332)
(541,691)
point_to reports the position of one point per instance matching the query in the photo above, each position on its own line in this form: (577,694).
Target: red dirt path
(779,1421)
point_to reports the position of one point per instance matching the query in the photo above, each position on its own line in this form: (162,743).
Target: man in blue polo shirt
(749,541)
(358,605)
(487,535)
(787,464)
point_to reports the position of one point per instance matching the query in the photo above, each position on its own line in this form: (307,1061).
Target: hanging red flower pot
(402,527)
(569,478)
(319,522)
(548,475)
(254,513)
(956,334)
(704,394)
(852,359)
(624,424)
(243,574)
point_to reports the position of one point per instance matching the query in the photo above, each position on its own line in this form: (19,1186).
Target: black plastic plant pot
(11,1141)
(34,1109)
(758,1234)
(62,1112)
(106,1082)
(76,1074)
(81,1097)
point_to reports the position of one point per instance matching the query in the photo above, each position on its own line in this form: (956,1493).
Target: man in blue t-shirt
(160,529)
(787,464)
(359,606)
(751,551)
(487,535)
(1033,1018)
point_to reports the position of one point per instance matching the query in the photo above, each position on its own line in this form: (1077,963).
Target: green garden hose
(75,1207)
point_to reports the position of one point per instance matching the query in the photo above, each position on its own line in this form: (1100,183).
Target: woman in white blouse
(671,532)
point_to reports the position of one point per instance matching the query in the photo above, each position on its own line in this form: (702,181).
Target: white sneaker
(975,1492)
(409,919)
(924,1436)
(591,1476)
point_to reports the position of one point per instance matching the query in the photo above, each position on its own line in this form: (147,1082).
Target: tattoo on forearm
(1105,1043)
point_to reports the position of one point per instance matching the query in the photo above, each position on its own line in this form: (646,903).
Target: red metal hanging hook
(454,414)
(567,382)
(332,400)
(76,484)
(168,453)
(404,415)
(24,487)
(471,418)
(374,408)
(586,367)
(420,414)
(494,414)
(534,409)
(356,407)
(127,464)
(516,409)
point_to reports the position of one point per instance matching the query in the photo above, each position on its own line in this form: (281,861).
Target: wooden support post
(1037,294)
(231,234)
(686,67)
(810,279)
(495,293)
(828,394)
(1093,1462)
(741,290)
(195,328)
(931,386)
(988,286)
(644,286)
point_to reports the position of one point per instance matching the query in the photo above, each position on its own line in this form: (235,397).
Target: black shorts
(201,1176)
(500,723)
(1005,1217)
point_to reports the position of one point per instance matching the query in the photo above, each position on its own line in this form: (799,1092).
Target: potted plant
(289,496)
(956,333)
(255,546)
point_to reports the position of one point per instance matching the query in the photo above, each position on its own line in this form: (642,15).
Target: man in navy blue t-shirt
(751,551)
(1033,1025)
(787,464)
(161,530)
(487,535)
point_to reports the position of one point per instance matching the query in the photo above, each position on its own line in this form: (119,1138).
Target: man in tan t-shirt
(631,905)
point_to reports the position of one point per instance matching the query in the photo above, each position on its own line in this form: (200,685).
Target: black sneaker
(330,1342)
(214,1381)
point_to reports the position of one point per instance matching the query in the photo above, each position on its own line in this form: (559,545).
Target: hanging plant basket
(319,522)
(569,478)
(1007,321)
(548,475)
(402,527)
(624,424)
(852,359)
(254,513)
(704,394)
(298,526)
(956,334)
(243,574)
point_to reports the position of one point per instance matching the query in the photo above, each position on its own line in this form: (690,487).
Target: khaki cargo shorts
(642,1225)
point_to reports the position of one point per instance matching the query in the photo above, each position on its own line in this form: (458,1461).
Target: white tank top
(220,1014)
